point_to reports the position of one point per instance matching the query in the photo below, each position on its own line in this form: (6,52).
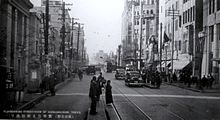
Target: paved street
(138,103)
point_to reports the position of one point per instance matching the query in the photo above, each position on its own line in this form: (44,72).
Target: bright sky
(102,22)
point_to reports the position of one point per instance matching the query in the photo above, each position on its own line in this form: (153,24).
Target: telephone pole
(161,27)
(173,13)
(46,27)
(63,30)
(140,37)
(77,47)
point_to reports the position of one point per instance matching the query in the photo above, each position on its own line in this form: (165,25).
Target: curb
(33,102)
(36,100)
(195,90)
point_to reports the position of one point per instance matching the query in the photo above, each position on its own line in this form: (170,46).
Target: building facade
(211,36)
(182,24)
(14,27)
(139,32)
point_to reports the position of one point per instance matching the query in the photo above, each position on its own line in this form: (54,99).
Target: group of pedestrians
(48,82)
(205,82)
(97,85)
(152,77)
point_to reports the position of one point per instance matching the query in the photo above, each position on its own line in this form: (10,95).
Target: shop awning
(180,64)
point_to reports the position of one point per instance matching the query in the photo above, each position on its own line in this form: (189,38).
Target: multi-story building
(211,37)
(126,34)
(182,24)
(139,28)
(36,47)
(14,40)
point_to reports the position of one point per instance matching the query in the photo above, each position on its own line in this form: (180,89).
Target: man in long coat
(108,93)
(93,95)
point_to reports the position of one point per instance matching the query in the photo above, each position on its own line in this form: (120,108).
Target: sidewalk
(105,112)
(214,89)
(30,99)
(100,108)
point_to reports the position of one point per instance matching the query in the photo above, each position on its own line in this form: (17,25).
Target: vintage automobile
(120,74)
(133,78)
(91,70)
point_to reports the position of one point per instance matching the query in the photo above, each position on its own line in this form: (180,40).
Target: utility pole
(46,27)
(77,47)
(71,48)
(140,37)
(63,30)
(174,13)
(161,26)
(82,49)
(119,55)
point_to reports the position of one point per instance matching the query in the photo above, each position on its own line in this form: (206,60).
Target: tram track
(141,113)
(120,90)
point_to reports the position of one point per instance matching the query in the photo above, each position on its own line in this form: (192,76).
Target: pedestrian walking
(52,85)
(93,95)
(158,80)
(212,79)
(204,81)
(43,85)
(174,77)
(80,74)
(108,93)
(99,82)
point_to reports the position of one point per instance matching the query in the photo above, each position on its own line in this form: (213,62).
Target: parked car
(91,70)
(83,68)
(120,74)
(133,78)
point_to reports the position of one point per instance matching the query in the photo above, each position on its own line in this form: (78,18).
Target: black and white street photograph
(109,59)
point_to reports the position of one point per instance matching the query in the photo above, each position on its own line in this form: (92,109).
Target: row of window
(189,15)
(212,6)
(184,1)
(152,2)
(144,12)
(136,22)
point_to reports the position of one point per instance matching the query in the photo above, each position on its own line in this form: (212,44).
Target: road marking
(151,95)
(169,96)
(69,94)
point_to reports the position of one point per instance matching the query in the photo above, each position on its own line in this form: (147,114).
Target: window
(151,12)
(211,6)
(143,21)
(211,33)
(176,25)
(143,11)
(148,2)
(177,5)
(188,15)
(147,11)
(152,2)
(218,4)
(168,29)
(193,13)
(180,20)
(180,45)
(183,17)
(137,22)
(218,31)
